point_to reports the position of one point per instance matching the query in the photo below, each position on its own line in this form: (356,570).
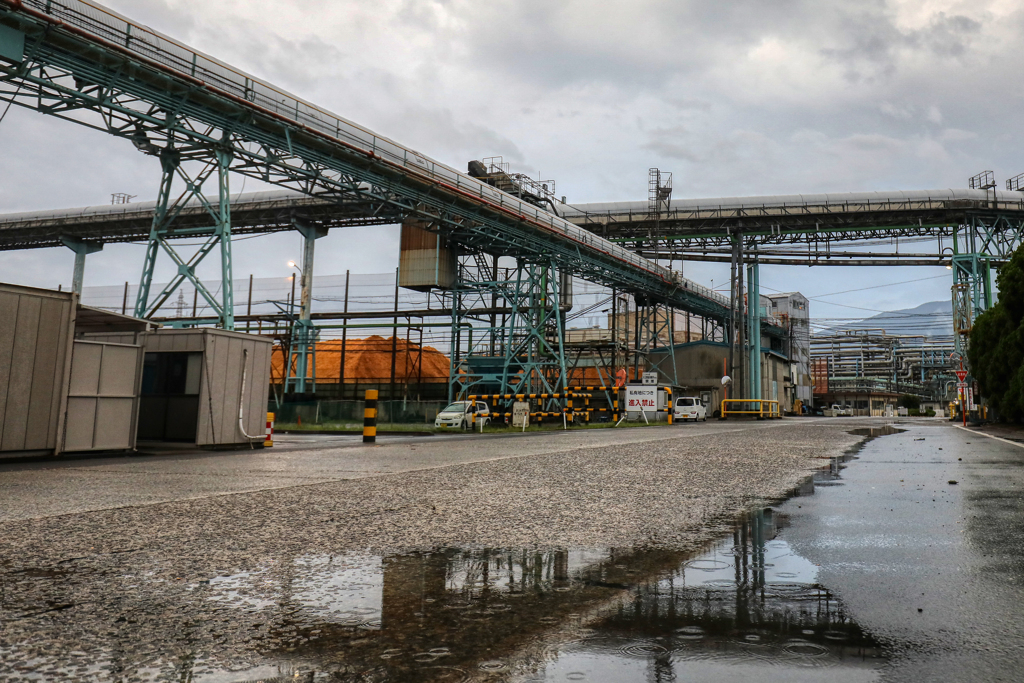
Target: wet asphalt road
(924,576)
(933,570)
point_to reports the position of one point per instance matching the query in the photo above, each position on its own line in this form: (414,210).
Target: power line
(891,284)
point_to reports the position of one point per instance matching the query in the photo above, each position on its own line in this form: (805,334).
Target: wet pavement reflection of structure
(745,602)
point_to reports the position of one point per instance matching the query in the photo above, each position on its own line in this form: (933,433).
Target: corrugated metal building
(195,380)
(58,390)
(74,378)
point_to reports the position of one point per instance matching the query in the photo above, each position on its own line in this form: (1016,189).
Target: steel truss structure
(981,227)
(78,61)
(87,64)
(525,351)
(654,327)
(251,213)
(986,239)
(171,158)
(868,361)
(201,118)
(815,221)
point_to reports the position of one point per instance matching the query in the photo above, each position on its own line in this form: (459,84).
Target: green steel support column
(968,298)
(453,364)
(534,300)
(556,288)
(649,326)
(304,347)
(169,160)
(972,279)
(161,230)
(509,332)
(754,327)
(987,281)
(227,318)
(534,348)
(82,248)
(674,379)
(538,309)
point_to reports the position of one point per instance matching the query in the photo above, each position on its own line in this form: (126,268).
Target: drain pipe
(241,400)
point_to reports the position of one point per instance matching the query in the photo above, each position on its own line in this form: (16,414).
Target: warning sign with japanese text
(641,399)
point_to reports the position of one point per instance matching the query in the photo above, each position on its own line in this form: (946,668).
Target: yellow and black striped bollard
(370,417)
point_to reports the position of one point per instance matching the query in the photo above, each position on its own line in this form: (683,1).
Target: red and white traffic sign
(961,385)
(961,375)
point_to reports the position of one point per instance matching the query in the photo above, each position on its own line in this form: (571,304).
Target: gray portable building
(75,378)
(195,380)
(35,355)
(60,391)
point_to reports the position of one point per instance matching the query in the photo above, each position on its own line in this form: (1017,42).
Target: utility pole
(731,326)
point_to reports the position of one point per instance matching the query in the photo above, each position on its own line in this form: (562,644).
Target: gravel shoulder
(211,580)
(651,492)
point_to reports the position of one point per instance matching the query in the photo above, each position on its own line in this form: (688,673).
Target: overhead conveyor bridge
(203,119)
(251,213)
(710,223)
(83,62)
(974,230)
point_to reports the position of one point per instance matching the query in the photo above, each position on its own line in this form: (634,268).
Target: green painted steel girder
(67,73)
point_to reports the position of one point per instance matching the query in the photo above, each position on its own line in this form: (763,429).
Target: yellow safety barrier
(269,439)
(370,417)
(765,409)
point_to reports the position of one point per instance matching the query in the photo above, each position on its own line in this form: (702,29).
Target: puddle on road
(887,430)
(747,606)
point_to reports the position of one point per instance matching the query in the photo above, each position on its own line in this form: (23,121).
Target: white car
(837,411)
(460,415)
(690,408)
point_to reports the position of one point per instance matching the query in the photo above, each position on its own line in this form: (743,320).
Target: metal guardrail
(765,408)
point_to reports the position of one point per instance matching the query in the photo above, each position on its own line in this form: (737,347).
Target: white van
(460,415)
(690,408)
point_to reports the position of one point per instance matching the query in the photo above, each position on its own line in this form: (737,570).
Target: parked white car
(690,408)
(460,415)
(837,411)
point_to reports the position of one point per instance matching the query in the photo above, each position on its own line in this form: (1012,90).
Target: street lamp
(292,264)
(950,254)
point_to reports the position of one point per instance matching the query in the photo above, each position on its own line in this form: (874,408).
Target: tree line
(996,349)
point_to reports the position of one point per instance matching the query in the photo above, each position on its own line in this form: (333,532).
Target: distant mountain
(933,319)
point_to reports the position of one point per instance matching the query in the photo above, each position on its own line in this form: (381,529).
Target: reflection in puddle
(748,606)
(887,430)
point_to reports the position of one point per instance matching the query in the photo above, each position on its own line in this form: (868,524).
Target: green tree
(909,401)
(996,349)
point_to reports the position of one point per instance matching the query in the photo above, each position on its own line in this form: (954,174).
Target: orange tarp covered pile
(589,376)
(369,360)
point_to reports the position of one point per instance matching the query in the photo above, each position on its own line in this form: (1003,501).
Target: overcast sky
(734,98)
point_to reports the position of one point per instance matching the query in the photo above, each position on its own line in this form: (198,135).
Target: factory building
(793,310)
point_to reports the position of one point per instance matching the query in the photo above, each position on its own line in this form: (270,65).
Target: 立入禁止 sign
(641,399)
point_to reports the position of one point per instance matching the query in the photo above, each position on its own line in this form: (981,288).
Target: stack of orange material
(591,376)
(369,360)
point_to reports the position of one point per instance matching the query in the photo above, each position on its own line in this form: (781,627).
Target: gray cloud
(739,97)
